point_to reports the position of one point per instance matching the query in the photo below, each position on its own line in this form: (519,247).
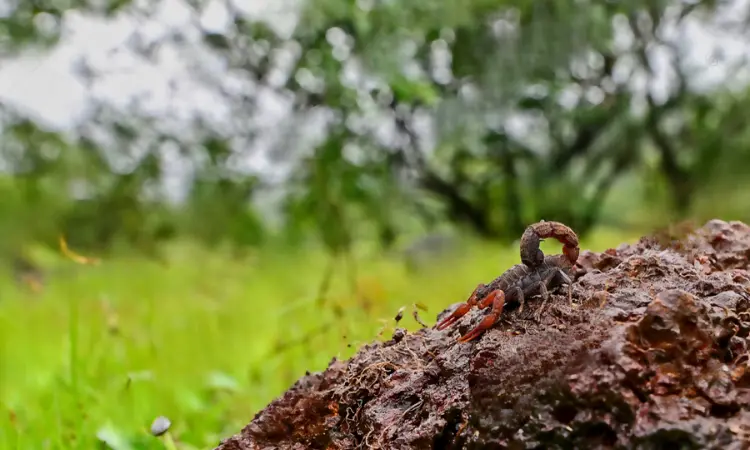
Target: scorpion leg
(566,279)
(461,310)
(544,293)
(519,293)
(497,299)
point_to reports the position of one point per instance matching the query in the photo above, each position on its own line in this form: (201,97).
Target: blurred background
(261,186)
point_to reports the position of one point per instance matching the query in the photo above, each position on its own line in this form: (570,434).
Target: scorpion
(536,274)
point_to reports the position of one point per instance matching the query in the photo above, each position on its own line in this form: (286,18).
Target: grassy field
(206,340)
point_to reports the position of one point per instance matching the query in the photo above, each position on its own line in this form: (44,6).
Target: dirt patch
(653,354)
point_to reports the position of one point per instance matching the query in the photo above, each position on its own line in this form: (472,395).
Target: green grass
(206,340)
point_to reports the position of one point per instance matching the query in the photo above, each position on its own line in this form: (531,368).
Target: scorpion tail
(541,230)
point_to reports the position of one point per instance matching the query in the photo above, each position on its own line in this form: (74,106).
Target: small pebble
(160,426)
(399,334)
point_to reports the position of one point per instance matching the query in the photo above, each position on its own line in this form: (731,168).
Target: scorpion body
(536,275)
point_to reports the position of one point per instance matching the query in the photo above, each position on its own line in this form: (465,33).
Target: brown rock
(654,356)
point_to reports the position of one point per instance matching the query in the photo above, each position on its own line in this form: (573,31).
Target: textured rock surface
(652,355)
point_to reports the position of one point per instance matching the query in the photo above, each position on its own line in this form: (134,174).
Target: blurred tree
(485,113)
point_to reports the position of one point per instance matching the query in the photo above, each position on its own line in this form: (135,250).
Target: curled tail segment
(532,256)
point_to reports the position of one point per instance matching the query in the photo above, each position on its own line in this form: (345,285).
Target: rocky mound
(653,354)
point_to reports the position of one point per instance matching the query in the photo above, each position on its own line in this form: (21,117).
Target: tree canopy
(486,114)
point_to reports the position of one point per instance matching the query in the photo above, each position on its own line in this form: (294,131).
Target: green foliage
(205,340)
(230,219)
(375,73)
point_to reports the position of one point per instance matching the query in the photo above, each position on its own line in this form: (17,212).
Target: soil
(652,354)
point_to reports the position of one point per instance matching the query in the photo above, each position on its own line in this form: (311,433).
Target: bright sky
(45,85)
